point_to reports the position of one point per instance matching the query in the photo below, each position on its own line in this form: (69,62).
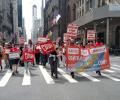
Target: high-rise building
(19,13)
(35,25)
(34,13)
(5,19)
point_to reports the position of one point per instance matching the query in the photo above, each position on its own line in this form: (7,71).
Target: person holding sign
(14,57)
(28,56)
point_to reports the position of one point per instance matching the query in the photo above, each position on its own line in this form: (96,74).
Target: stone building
(103,16)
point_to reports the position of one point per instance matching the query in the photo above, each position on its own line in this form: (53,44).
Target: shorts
(14,61)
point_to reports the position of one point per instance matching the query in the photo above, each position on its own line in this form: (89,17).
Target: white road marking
(110,77)
(26,79)
(5,78)
(115,68)
(47,77)
(89,77)
(115,65)
(108,70)
(68,77)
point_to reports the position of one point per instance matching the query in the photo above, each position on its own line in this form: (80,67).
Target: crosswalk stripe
(26,79)
(110,77)
(47,77)
(6,78)
(115,68)
(108,70)
(116,65)
(68,77)
(89,77)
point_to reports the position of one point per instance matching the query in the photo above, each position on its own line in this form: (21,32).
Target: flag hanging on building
(49,34)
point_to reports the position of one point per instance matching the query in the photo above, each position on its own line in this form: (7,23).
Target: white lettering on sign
(98,50)
(91,35)
(14,55)
(72,28)
(73,58)
(73,50)
(47,46)
(29,56)
(84,52)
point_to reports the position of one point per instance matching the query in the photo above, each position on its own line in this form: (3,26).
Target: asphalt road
(38,85)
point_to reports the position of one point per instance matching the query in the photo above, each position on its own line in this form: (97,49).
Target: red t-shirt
(14,49)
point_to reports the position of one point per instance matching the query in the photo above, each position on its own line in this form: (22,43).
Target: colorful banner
(47,47)
(97,59)
(28,56)
(72,55)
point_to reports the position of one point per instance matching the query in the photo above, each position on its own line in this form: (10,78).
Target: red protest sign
(72,28)
(47,47)
(68,36)
(28,56)
(72,55)
(91,35)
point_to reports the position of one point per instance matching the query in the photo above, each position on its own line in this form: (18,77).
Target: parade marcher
(25,49)
(5,55)
(27,56)
(37,55)
(1,57)
(14,61)
(53,60)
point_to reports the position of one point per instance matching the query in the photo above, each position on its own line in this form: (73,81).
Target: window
(74,12)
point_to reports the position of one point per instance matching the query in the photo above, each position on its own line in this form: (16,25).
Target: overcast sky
(27,13)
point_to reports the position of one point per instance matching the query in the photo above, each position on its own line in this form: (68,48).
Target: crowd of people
(55,59)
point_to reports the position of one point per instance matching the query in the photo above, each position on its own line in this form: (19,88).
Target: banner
(72,55)
(96,59)
(29,56)
(47,47)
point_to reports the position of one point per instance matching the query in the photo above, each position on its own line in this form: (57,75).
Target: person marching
(1,57)
(14,57)
(27,56)
(53,60)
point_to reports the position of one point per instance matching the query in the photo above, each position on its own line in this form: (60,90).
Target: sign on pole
(91,35)
(72,28)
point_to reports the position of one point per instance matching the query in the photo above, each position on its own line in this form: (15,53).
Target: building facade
(103,16)
(20,18)
(50,12)
(6,19)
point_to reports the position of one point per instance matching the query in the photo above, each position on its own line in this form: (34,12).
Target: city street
(38,84)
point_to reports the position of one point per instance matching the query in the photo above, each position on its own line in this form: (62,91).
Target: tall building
(34,13)
(35,25)
(51,10)
(5,19)
(19,12)
(15,16)
(103,16)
